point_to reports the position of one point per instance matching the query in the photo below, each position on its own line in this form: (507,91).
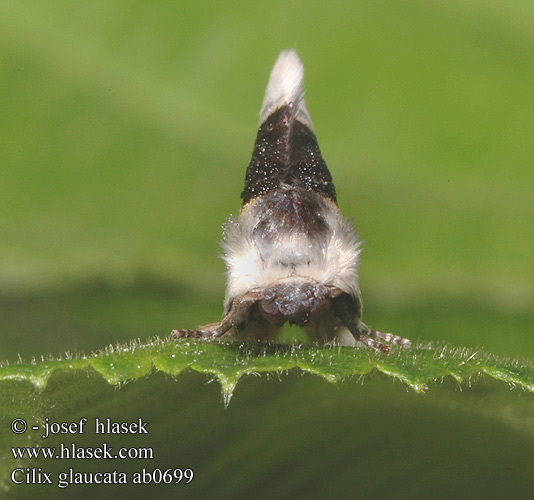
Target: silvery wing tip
(285,88)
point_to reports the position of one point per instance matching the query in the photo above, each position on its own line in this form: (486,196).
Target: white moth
(290,254)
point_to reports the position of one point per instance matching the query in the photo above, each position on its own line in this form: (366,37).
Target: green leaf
(55,389)
(417,367)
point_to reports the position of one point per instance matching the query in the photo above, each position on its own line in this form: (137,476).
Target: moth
(291,256)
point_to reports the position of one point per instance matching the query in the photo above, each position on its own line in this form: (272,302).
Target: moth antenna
(285,88)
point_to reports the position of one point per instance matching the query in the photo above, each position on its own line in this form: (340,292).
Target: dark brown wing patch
(286,153)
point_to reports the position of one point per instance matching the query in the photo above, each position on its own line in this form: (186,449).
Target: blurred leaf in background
(127,127)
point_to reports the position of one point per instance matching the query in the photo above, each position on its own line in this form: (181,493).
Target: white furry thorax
(252,264)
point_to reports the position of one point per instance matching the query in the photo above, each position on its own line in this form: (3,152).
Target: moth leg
(237,316)
(348,309)
(388,337)
(364,339)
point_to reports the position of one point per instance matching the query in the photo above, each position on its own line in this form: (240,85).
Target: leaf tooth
(228,385)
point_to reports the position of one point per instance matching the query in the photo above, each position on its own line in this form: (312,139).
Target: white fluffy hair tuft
(285,87)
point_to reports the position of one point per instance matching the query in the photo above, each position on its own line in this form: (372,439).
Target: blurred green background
(126,128)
